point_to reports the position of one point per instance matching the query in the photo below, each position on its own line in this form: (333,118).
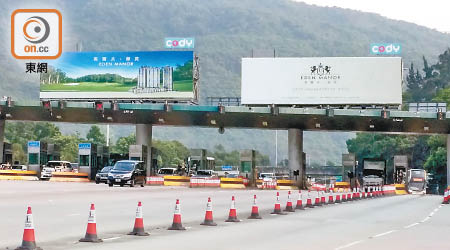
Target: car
(55,166)
(167,171)
(267,176)
(127,172)
(102,176)
(205,173)
(19,167)
(233,176)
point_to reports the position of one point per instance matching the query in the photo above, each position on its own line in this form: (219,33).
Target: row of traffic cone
(29,243)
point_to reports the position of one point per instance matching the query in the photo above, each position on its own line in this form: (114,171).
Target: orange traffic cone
(209,215)
(322,198)
(330,199)
(338,198)
(445,201)
(317,200)
(308,201)
(255,210)
(28,240)
(91,231)
(176,224)
(289,207)
(139,222)
(232,216)
(277,209)
(299,201)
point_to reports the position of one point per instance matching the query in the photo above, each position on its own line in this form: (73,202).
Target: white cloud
(429,13)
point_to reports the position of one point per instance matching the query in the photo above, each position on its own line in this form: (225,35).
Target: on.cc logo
(36,34)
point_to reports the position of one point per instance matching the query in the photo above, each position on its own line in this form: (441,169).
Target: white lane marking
(113,238)
(385,233)
(412,225)
(422,221)
(349,245)
(73,214)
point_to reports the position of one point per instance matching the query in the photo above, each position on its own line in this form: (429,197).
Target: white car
(55,166)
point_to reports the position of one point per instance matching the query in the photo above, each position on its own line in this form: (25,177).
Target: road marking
(113,238)
(349,245)
(385,233)
(427,218)
(412,225)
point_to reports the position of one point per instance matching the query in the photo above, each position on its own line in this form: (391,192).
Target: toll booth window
(33,159)
(135,158)
(84,160)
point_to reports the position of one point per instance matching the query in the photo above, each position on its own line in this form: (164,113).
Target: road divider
(155,180)
(173,180)
(232,183)
(204,182)
(286,185)
(69,177)
(400,189)
(18,175)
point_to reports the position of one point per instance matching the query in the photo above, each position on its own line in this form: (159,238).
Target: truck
(373,173)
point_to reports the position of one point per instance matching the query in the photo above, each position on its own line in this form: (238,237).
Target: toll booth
(7,153)
(53,152)
(154,164)
(87,159)
(248,165)
(197,160)
(139,153)
(37,155)
(102,156)
(348,166)
(401,168)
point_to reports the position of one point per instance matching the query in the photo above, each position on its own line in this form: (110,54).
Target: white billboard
(321,80)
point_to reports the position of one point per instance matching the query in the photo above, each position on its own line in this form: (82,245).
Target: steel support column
(144,137)
(295,148)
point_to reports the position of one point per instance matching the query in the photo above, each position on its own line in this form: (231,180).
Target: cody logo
(36,34)
(385,48)
(179,43)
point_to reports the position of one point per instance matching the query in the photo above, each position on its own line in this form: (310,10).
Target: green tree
(123,144)
(172,153)
(96,136)
(69,146)
(436,163)
(19,154)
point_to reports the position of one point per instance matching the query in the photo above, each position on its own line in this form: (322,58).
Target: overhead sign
(385,49)
(84,146)
(34,147)
(321,80)
(179,43)
(227,168)
(142,75)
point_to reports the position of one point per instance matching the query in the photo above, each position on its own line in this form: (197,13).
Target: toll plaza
(87,159)
(53,152)
(401,168)
(37,156)
(248,165)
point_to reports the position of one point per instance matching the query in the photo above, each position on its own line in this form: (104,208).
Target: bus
(417,181)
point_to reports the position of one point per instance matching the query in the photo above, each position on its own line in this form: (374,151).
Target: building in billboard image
(149,79)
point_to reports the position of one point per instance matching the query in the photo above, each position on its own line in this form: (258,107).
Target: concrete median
(18,175)
(69,177)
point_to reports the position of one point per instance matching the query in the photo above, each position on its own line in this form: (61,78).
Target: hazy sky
(430,13)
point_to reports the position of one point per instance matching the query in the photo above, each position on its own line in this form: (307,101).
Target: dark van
(127,173)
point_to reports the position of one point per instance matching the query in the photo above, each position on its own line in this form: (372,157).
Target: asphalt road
(60,212)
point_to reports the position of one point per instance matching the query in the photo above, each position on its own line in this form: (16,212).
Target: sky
(433,14)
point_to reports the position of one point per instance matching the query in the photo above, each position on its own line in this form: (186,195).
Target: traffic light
(99,106)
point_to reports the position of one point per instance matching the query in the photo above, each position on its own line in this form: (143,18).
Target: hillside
(225,31)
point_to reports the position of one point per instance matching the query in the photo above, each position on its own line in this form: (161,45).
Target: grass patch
(89,87)
(183,86)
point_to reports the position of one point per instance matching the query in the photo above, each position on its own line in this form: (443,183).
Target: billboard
(140,75)
(321,80)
